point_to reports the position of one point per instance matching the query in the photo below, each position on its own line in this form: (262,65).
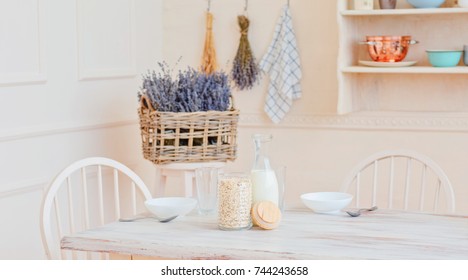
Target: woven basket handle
(232,102)
(145,102)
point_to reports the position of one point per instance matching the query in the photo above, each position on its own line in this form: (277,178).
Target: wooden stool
(184,170)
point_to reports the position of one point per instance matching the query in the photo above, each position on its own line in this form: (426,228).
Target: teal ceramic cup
(425,3)
(444,58)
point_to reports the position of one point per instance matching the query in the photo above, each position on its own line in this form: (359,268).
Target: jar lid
(266,214)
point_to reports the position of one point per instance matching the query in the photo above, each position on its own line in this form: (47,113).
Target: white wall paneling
(389,121)
(45,130)
(23,187)
(22,201)
(106,38)
(22,49)
(39,184)
(383,121)
(19,233)
(49,118)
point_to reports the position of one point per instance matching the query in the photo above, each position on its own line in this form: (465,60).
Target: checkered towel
(282,64)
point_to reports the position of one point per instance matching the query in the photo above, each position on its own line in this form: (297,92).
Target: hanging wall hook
(246,6)
(208,9)
(288,3)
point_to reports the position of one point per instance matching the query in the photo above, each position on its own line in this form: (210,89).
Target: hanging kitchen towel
(282,64)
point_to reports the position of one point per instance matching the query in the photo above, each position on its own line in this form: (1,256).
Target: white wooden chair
(87,194)
(400,179)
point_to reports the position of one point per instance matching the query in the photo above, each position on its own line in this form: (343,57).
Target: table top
(384,234)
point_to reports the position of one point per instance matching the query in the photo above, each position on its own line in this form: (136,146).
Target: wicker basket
(169,137)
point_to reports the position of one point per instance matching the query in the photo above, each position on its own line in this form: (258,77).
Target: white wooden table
(383,234)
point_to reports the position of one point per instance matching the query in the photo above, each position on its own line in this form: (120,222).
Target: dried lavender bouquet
(189,91)
(245,71)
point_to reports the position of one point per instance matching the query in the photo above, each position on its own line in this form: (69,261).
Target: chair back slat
(71,213)
(409,167)
(78,192)
(134,199)
(423,188)
(116,193)
(84,182)
(391,184)
(437,193)
(358,189)
(400,179)
(58,221)
(100,195)
(374,182)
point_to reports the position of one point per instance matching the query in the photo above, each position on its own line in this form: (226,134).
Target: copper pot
(388,48)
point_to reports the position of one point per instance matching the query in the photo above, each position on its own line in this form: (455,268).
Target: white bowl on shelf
(165,207)
(326,202)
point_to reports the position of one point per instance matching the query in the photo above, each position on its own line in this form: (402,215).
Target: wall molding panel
(106,47)
(366,121)
(39,131)
(29,64)
(41,184)
(347,122)
(24,187)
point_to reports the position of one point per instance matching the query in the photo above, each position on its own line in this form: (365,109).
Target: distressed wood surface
(383,234)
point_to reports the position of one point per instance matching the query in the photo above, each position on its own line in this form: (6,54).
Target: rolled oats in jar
(234,201)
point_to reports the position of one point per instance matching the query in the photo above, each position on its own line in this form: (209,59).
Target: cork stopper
(266,215)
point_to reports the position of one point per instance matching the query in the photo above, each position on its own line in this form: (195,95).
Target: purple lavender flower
(190,91)
(245,70)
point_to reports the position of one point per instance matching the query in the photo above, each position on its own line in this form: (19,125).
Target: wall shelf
(406,70)
(420,88)
(396,12)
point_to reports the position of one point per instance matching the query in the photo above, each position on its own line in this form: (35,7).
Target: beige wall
(316,31)
(317,146)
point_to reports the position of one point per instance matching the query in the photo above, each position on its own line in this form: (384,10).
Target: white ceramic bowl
(326,202)
(166,207)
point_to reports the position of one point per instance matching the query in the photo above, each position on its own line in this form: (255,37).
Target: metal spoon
(358,212)
(138,218)
(168,219)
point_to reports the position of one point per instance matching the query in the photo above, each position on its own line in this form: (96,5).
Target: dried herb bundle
(209,62)
(190,91)
(245,71)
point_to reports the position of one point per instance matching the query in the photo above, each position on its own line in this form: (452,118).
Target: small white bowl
(326,202)
(166,207)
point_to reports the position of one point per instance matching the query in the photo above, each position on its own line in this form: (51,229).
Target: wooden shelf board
(410,114)
(406,70)
(433,11)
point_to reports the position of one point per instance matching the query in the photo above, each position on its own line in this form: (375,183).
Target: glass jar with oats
(234,201)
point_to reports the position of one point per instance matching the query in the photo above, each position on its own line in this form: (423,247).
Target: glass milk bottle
(263,177)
